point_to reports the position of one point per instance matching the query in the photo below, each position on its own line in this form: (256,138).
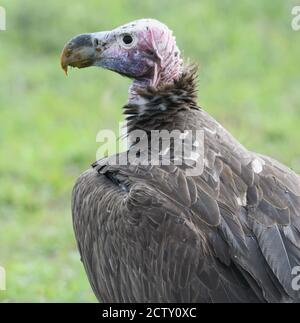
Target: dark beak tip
(66,70)
(64,62)
(64,67)
(71,55)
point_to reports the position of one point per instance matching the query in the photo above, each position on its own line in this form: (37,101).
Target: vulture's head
(144,50)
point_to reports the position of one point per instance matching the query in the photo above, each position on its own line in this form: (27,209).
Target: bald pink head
(144,50)
(153,44)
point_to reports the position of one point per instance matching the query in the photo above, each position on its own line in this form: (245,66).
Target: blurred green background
(249,81)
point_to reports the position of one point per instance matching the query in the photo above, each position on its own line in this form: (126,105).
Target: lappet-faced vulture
(156,232)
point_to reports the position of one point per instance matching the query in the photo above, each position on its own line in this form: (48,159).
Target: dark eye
(127,39)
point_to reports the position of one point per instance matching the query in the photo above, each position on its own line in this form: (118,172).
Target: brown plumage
(154,234)
(157,234)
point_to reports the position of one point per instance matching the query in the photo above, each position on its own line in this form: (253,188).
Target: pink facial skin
(150,59)
(144,50)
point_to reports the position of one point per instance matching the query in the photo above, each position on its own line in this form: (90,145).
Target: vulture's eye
(127,39)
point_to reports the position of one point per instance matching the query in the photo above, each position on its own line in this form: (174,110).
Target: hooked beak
(81,51)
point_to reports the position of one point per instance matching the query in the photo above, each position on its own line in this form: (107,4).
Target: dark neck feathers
(161,108)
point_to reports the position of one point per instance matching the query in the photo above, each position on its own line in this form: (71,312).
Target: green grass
(249,81)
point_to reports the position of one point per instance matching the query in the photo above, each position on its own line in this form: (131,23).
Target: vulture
(156,231)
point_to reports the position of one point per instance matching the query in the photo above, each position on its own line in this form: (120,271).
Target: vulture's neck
(164,106)
(166,71)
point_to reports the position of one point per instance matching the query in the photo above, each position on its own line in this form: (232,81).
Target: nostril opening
(96,42)
(68,52)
